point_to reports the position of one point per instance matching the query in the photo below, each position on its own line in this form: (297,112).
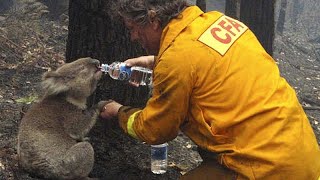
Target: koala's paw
(101,104)
(86,139)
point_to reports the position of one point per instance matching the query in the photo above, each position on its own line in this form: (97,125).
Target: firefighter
(214,81)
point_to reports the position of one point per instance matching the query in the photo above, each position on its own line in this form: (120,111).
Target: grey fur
(51,134)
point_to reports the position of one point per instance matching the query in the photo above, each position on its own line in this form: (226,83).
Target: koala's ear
(53,83)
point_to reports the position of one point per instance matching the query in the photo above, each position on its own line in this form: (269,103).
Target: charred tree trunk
(5,5)
(259,16)
(297,8)
(93,33)
(56,7)
(233,8)
(202,5)
(282,17)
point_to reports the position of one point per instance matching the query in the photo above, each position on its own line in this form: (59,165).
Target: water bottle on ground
(135,75)
(159,158)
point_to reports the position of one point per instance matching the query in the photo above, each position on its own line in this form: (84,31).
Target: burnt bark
(202,4)
(282,17)
(297,9)
(258,15)
(56,7)
(232,8)
(5,5)
(94,33)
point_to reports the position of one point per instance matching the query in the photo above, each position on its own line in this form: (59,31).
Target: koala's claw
(86,139)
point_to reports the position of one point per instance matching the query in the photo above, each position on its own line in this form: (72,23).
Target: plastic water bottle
(135,75)
(159,158)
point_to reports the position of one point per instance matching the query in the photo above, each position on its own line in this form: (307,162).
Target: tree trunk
(5,5)
(202,5)
(93,33)
(233,8)
(297,9)
(282,17)
(56,7)
(258,15)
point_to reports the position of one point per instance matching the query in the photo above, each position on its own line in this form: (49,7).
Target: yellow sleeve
(167,109)
(126,115)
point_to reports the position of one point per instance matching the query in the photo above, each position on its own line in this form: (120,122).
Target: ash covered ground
(30,45)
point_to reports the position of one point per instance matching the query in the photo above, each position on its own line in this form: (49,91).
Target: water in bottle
(141,76)
(159,158)
(135,75)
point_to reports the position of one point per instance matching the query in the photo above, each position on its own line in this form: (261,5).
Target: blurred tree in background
(258,15)
(93,32)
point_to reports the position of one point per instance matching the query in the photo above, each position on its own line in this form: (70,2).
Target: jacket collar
(175,26)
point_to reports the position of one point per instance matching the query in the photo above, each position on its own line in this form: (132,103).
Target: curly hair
(145,11)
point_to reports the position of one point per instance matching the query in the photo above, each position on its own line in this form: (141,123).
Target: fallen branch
(311,107)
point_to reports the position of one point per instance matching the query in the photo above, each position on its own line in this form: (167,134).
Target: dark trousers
(209,169)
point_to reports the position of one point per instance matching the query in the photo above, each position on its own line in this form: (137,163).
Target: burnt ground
(28,49)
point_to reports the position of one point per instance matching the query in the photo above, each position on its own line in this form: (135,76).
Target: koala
(51,134)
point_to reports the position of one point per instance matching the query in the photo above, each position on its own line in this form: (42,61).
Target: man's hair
(144,11)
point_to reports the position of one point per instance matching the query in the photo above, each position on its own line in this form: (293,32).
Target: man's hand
(110,110)
(142,61)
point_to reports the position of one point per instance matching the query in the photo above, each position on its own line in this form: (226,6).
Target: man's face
(148,35)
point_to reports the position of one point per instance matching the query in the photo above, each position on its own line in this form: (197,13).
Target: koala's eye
(98,67)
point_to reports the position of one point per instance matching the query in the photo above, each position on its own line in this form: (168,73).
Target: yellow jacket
(215,82)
